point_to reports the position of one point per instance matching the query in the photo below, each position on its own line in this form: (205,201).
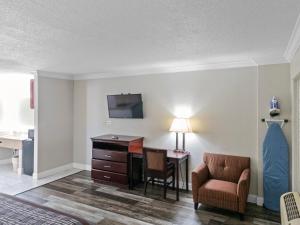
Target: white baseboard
(255,199)
(252,199)
(5,161)
(34,176)
(260,201)
(53,171)
(82,166)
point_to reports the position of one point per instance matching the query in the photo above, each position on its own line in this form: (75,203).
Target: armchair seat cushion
(222,194)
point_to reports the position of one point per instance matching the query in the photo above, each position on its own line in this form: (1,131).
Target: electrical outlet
(108,122)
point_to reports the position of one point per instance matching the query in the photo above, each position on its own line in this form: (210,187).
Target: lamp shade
(181,125)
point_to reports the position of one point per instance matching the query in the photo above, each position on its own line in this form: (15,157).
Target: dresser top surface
(116,137)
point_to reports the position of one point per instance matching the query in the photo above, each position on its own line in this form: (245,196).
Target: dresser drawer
(117,167)
(109,176)
(117,156)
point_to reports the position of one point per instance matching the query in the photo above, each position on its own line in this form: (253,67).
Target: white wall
(221,103)
(55,122)
(295,65)
(295,76)
(15,112)
(225,107)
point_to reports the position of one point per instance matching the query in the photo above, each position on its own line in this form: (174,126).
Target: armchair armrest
(243,189)
(199,177)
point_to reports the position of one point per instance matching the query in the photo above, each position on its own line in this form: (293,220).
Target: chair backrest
(155,159)
(226,167)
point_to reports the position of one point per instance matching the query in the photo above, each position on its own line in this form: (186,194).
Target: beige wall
(222,105)
(79,123)
(272,80)
(55,122)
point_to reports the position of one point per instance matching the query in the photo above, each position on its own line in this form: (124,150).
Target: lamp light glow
(181,125)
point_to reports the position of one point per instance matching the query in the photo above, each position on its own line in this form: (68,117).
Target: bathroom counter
(13,142)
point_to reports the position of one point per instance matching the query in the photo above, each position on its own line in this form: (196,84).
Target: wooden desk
(112,159)
(177,158)
(14,142)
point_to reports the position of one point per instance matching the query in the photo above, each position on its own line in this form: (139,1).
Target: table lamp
(181,125)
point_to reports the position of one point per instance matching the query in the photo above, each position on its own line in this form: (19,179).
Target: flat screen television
(125,106)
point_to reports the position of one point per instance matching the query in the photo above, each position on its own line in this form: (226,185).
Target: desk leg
(20,166)
(130,171)
(187,173)
(177,180)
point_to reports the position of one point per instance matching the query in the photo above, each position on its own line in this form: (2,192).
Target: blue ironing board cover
(275,166)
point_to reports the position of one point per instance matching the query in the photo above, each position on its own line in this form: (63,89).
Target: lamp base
(179,150)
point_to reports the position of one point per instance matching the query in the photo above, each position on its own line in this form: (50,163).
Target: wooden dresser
(111,157)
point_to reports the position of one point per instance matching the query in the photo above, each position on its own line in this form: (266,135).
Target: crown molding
(55,75)
(166,70)
(270,60)
(294,42)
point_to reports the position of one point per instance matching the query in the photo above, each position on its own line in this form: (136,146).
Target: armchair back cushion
(225,167)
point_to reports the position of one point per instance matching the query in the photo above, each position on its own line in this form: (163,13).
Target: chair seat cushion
(219,193)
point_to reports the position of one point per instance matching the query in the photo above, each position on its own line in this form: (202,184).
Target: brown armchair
(222,181)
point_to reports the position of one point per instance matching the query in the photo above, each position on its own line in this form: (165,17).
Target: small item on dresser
(115,137)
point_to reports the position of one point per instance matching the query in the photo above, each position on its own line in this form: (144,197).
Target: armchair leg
(196,205)
(241,216)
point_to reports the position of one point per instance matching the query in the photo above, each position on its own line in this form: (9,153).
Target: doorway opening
(16,132)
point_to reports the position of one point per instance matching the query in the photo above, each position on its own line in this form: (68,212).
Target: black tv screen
(125,106)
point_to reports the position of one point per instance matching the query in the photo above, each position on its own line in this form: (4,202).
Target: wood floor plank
(105,204)
(95,211)
(69,186)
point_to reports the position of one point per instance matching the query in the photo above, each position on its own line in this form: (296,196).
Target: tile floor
(11,183)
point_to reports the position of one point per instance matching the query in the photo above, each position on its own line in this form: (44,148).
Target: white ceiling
(118,36)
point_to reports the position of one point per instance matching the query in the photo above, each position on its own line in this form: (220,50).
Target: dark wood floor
(108,205)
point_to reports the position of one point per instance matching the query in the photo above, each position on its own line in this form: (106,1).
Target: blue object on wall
(275,166)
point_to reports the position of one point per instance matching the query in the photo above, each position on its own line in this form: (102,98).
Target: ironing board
(275,166)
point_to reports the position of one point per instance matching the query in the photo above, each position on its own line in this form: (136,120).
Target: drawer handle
(108,156)
(107,177)
(107,166)
(0,142)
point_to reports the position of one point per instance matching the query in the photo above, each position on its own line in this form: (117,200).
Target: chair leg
(152,181)
(196,205)
(241,216)
(173,181)
(145,185)
(165,188)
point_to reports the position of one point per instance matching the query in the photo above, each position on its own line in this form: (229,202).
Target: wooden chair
(158,169)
